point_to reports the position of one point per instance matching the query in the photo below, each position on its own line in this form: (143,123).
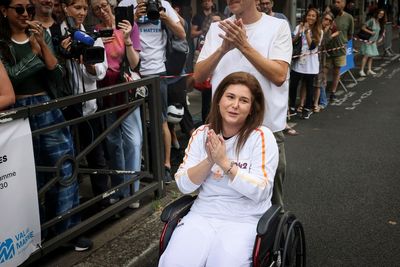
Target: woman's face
(18,12)
(381,14)
(311,17)
(235,105)
(102,10)
(327,21)
(78,10)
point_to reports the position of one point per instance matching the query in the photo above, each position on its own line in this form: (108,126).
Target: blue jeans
(49,147)
(323,100)
(125,147)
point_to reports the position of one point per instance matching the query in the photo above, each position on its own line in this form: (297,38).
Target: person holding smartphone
(125,142)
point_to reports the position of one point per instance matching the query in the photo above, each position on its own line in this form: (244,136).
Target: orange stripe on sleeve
(200,129)
(263,152)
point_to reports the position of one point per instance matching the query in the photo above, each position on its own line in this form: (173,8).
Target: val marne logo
(7,250)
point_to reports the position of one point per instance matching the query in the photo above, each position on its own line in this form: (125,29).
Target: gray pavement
(342,182)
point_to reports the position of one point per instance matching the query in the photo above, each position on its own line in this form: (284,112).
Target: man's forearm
(274,70)
(176,28)
(204,68)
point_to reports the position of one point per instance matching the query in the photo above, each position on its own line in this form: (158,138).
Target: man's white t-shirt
(309,62)
(153,40)
(271,37)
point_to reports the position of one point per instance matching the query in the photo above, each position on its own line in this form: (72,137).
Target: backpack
(177,51)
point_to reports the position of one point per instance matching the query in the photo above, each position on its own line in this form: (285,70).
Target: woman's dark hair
(256,115)
(316,28)
(5,30)
(382,21)
(5,34)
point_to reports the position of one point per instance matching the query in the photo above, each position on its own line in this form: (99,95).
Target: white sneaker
(113,200)
(362,73)
(134,205)
(370,72)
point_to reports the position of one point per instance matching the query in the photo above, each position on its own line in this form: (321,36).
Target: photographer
(151,16)
(82,77)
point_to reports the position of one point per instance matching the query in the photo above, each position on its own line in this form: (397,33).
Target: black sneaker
(292,112)
(82,244)
(306,114)
(167,177)
(332,97)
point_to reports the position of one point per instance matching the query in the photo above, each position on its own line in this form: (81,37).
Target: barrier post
(349,64)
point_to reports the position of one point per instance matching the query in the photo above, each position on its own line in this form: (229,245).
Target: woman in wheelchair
(232,162)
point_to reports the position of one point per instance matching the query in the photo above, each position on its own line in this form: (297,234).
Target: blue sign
(349,58)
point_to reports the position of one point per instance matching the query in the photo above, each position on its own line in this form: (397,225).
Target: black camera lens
(152,10)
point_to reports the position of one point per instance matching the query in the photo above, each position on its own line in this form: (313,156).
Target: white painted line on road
(351,85)
(339,102)
(359,101)
(395,57)
(390,76)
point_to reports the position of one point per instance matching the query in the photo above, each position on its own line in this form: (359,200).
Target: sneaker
(306,114)
(113,200)
(167,177)
(175,144)
(292,112)
(134,205)
(362,73)
(370,72)
(83,244)
(332,97)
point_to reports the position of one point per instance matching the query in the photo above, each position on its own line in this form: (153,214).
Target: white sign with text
(19,223)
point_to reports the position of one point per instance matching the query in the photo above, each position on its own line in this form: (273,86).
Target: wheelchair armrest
(268,220)
(176,207)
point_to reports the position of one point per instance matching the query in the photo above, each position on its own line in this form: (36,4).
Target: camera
(83,44)
(153,9)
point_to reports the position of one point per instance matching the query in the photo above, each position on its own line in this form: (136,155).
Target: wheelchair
(280,239)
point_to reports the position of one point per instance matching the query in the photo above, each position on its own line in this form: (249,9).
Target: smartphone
(123,13)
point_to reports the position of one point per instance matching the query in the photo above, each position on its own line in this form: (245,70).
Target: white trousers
(199,241)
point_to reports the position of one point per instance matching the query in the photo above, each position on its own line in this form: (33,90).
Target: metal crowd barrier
(150,175)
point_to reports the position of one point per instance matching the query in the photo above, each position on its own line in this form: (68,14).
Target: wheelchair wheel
(294,251)
(289,245)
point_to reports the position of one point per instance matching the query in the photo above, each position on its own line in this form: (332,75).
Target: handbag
(127,75)
(363,35)
(297,45)
(177,51)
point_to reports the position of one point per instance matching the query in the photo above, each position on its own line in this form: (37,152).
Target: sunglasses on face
(21,9)
(328,19)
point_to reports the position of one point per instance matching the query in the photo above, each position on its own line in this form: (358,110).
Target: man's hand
(235,35)
(140,10)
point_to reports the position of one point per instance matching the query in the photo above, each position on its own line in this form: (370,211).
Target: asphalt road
(343,177)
